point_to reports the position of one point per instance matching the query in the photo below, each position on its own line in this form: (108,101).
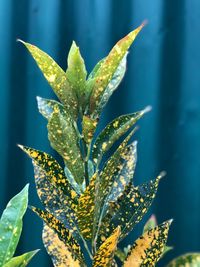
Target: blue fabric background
(163,71)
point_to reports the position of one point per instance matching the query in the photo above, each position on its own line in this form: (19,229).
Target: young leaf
(108,68)
(63,138)
(11,225)
(113,131)
(56,77)
(21,261)
(63,233)
(105,254)
(53,171)
(76,75)
(129,209)
(47,106)
(89,126)
(187,260)
(148,248)
(58,250)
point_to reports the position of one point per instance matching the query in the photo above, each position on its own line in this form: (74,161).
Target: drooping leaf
(64,139)
(105,254)
(129,208)
(76,75)
(108,68)
(53,171)
(11,225)
(113,131)
(58,250)
(148,248)
(111,87)
(63,233)
(56,77)
(47,107)
(187,260)
(21,261)
(150,224)
(90,202)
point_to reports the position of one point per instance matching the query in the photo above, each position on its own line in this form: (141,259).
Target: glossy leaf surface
(11,225)
(21,261)
(187,260)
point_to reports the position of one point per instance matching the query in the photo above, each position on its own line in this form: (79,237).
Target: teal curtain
(163,71)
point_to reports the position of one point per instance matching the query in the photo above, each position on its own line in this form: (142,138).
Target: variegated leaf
(64,139)
(108,68)
(58,250)
(129,208)
(76,75)
(56,77)
(63,233)
(95,69)
(53,171)
(148,248)
(187,260)
(113,131)
(105,254)
(11,225)
(21,261)
(89,126)
(47,107)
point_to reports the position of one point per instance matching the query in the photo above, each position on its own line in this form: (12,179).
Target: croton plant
(90,203)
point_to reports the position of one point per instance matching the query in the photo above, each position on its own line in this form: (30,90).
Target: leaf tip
(147,109)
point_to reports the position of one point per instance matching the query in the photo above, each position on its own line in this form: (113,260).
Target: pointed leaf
(11,225)
(56,77)
(21,261)
(187,260)
(148,248)
(63,138)
(105,254)
(76,74)
(108,68)
(150,224)
(95,69)
(63,233)
(53,171)
(113,131)
(58,250)
(47,107)
(129,208)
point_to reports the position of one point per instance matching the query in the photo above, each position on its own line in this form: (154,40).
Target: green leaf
(53,171)
(187,260)
(63,138)
(90,202)
(88,128)
(108,68)
(11,225)
(112,86)
(129,209)
(150,224)
(56,77)
(47,107)
(21,261)
(105,254)
(58,250)
(95,69)
(113,131)
(79,188)
(63,233)
(148,248)
(76,75)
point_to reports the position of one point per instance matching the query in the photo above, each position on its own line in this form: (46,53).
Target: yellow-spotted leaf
(187,260)
(105,254)
(53,171)
(89,126)
(63,233)
(47,106)
(129,209)
(148,248)
(58,250)
(108,68)
(113,131)
(64,139)
(76,75)
(56,77)
(21,261)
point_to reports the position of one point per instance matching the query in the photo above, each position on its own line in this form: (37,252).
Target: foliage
(10,231)
(90,204)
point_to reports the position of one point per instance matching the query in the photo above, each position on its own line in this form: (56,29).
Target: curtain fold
(163,71)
